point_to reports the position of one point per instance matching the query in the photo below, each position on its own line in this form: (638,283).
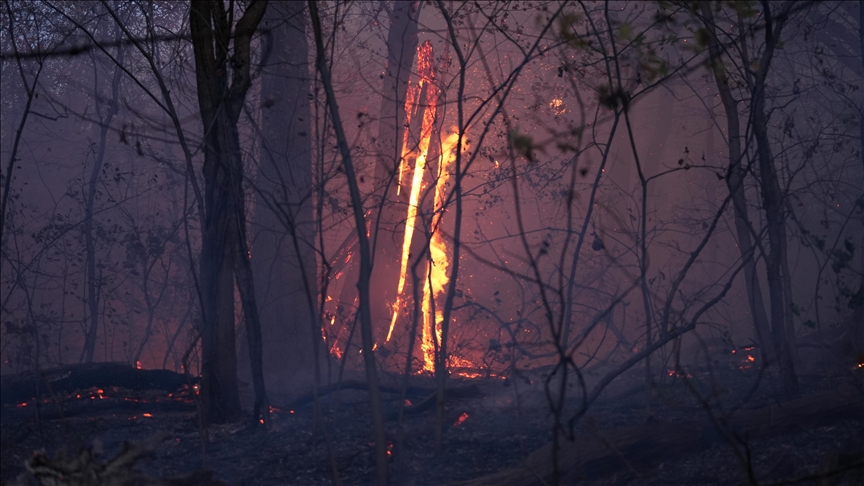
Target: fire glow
(424,85)
(461,420)
(435,276)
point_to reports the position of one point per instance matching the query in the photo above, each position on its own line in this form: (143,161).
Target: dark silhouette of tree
(363,283)
(224,248)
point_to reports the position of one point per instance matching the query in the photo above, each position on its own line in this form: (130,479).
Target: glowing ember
(462,418)
(679,374)
(469,374)
(147,415)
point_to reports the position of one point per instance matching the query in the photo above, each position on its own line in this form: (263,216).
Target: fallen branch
(86,469)
(24,386)
(469,391)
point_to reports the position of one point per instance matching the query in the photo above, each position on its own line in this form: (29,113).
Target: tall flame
(426,71)
(435,283)
(436,272)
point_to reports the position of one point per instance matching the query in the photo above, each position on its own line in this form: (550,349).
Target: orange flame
(436,273)
(424,64)
(437,278)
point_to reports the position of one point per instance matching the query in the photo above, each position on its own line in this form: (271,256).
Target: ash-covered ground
(492,426)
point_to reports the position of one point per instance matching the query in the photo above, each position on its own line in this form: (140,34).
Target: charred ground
(493,425)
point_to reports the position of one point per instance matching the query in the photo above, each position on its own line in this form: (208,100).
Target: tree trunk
(246,287)
(775,217)
(93,284)
(283,257)
(388,220)
(363,287)
(735,181)
(220,105)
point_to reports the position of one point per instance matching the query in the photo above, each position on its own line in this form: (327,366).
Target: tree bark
(283,257)
(388,221)
(246,288)
(363,287)
(735,182)
(93,284)
(220,105)
(775,217)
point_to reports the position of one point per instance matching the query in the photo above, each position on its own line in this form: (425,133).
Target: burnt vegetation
(431,242)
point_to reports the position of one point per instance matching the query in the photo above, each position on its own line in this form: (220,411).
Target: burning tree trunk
(283,255)
(220,105)
(388,222)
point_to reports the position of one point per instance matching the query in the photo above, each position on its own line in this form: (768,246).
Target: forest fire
(644,220)
(421,101)
(425,86)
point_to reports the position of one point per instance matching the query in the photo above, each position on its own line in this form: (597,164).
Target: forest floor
(484,433)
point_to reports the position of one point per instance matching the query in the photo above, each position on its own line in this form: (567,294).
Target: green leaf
(522,144)
(625,31)
(795,310)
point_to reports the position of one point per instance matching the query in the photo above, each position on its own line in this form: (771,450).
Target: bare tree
(224,246)
(365,255)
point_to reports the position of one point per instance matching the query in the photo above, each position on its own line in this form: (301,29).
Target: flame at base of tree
(415,171)
(422,98)
(437,268)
